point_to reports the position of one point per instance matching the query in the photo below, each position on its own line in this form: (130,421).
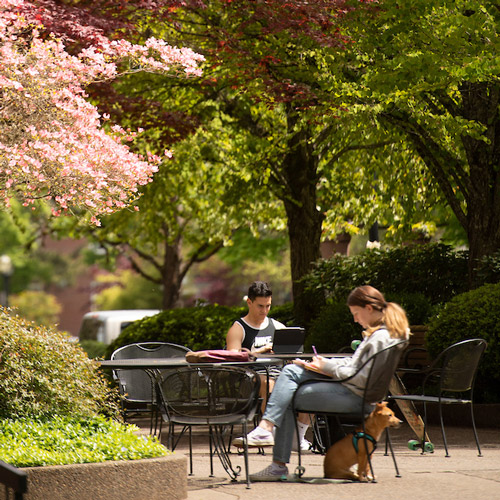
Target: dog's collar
(356,436)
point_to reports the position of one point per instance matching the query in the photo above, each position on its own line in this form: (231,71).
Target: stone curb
(154,479)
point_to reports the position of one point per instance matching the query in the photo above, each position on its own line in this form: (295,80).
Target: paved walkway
(463,476)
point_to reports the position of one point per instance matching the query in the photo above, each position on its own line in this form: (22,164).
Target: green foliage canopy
(197,201)
(430,68)
(264,82)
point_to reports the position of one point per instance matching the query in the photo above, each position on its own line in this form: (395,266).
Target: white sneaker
(257,438)
(305,445)
(272,472)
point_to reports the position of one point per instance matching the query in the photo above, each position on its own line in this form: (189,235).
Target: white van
(105,326)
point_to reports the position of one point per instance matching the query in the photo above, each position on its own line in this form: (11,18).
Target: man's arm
(234,337)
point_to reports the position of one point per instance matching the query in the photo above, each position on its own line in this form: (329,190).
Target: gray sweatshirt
(341,368)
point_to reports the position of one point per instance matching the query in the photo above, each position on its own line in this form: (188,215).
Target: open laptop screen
(289,340)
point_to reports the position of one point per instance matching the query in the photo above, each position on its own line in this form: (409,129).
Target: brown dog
(342,455)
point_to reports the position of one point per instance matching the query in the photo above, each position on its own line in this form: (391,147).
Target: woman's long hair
(393,315)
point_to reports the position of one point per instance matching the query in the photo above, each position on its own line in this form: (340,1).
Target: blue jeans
(325,397)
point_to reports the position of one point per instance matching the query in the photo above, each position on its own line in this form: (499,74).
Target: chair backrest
(14,479)
(150,350)
(383,365)
(459,364)
(211,395)
(136,385)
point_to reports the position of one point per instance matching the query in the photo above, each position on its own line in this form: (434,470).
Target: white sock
(302,430)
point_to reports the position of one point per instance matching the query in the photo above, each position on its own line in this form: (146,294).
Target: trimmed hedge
(436,271)
(334,327)
(474,314)
(199,327)
(43,373)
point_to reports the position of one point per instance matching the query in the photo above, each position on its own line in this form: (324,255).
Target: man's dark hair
(259,289)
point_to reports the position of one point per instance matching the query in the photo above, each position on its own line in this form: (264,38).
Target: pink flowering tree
(53,145)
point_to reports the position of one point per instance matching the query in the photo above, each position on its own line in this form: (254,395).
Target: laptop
(289,340)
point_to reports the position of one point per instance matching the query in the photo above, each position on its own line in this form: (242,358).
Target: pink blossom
(52,143)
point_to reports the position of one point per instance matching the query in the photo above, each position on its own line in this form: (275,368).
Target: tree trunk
(300,171)
(170,274)
(480,102)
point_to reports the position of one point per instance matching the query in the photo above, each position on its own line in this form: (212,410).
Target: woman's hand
(318,362)
(316,365)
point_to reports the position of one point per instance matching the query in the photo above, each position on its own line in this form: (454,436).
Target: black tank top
(257,338)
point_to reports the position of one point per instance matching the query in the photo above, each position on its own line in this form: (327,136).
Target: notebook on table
(289,340)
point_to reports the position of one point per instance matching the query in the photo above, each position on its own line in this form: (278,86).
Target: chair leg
(300,469)
(245,453)
(170,437)
(316,426)
(221,450)
(159,423)
(368,455)
(424,433)
(389,442)
(317,435)
(210,440)
(152,420)
(443,433)
(155,426)
(172,442)
(190,451)
(230,438)
(479,454)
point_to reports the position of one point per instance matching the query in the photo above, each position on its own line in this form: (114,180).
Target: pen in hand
(314,350)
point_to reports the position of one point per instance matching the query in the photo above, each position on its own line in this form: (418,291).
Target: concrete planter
(154,479)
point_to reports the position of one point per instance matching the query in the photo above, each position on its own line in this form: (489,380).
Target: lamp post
(6,269)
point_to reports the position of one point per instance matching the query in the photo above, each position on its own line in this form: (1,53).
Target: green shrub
(416,305)
(488,269)
(284,314)
(94,348)
(43,373)
(333,329)
(199,327)
(433,270)
(473,314)
(66,440)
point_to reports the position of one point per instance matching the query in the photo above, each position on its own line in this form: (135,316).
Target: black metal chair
(214,396)
(137,387)
(14,479)
(382,366)
(455,371)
